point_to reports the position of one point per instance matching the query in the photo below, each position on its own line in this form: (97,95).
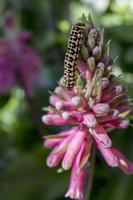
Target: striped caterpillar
(72,54)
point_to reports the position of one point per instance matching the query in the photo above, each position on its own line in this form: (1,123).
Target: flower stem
(36,118)
(89,178)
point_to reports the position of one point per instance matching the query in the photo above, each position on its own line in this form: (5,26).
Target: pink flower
(18,62)
(97,104)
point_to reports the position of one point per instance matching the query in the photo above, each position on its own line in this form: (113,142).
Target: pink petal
(77,183)
(118,123)
(123,163)
(58,152)
(54,119)
(83,154)
(101,108)
(82,66)
(101,136)
(54,99)
(90,120)
(73,149)
(108,155)
(51,142)
(54,159)
(76,188)
(61,91)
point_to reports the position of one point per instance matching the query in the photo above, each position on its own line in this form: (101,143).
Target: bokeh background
(23,172)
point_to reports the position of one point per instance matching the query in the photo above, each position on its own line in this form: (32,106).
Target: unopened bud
(96,52)
(101,108)
(104,82)
(115,113)
(118,89)
(58,105)
(91,41)
(93,32)
(76,100)
(91,63)
(79,82)
(101,65)
(109,68)
(124,123)
(105,59)
(84,52)
(65,115)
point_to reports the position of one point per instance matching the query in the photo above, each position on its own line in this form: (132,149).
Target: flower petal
(73,150)
(54,119)
(77,183)
(51,142)
(124,164)
(108,155)
(58,152)
(101,136)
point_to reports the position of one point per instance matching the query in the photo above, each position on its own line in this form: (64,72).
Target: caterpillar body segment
(72,55)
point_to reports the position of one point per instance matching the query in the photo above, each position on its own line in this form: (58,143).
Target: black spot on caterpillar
(72,54)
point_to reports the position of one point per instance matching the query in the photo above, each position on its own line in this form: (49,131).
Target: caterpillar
(72,54)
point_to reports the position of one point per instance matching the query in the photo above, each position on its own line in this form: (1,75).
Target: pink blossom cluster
(97,104)
(17,59)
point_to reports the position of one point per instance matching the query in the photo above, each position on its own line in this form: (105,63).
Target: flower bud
(101,108)
(109,68)
(58,105)
(91,41)
(118,89)
(84,52)
(104,82)
(93,32)
(91,63)
(105,59)
(76,100)
(97,52)
(65,115)
(124,123)
(101,65)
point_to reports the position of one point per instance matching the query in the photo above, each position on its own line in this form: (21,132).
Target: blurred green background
(23,172)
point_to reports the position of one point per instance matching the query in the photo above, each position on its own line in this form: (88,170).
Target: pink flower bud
(124,123)
(118,89)
(109,68)
(115,113)
(65,115)
(51,142)
(93,32)
(53,119)
(54,100)
(104,82)
(59,105)
(58,152)
(101,65)
(76,100)
(101,108)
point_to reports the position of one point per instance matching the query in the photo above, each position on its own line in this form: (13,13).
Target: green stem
(35,116)
(89,178)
